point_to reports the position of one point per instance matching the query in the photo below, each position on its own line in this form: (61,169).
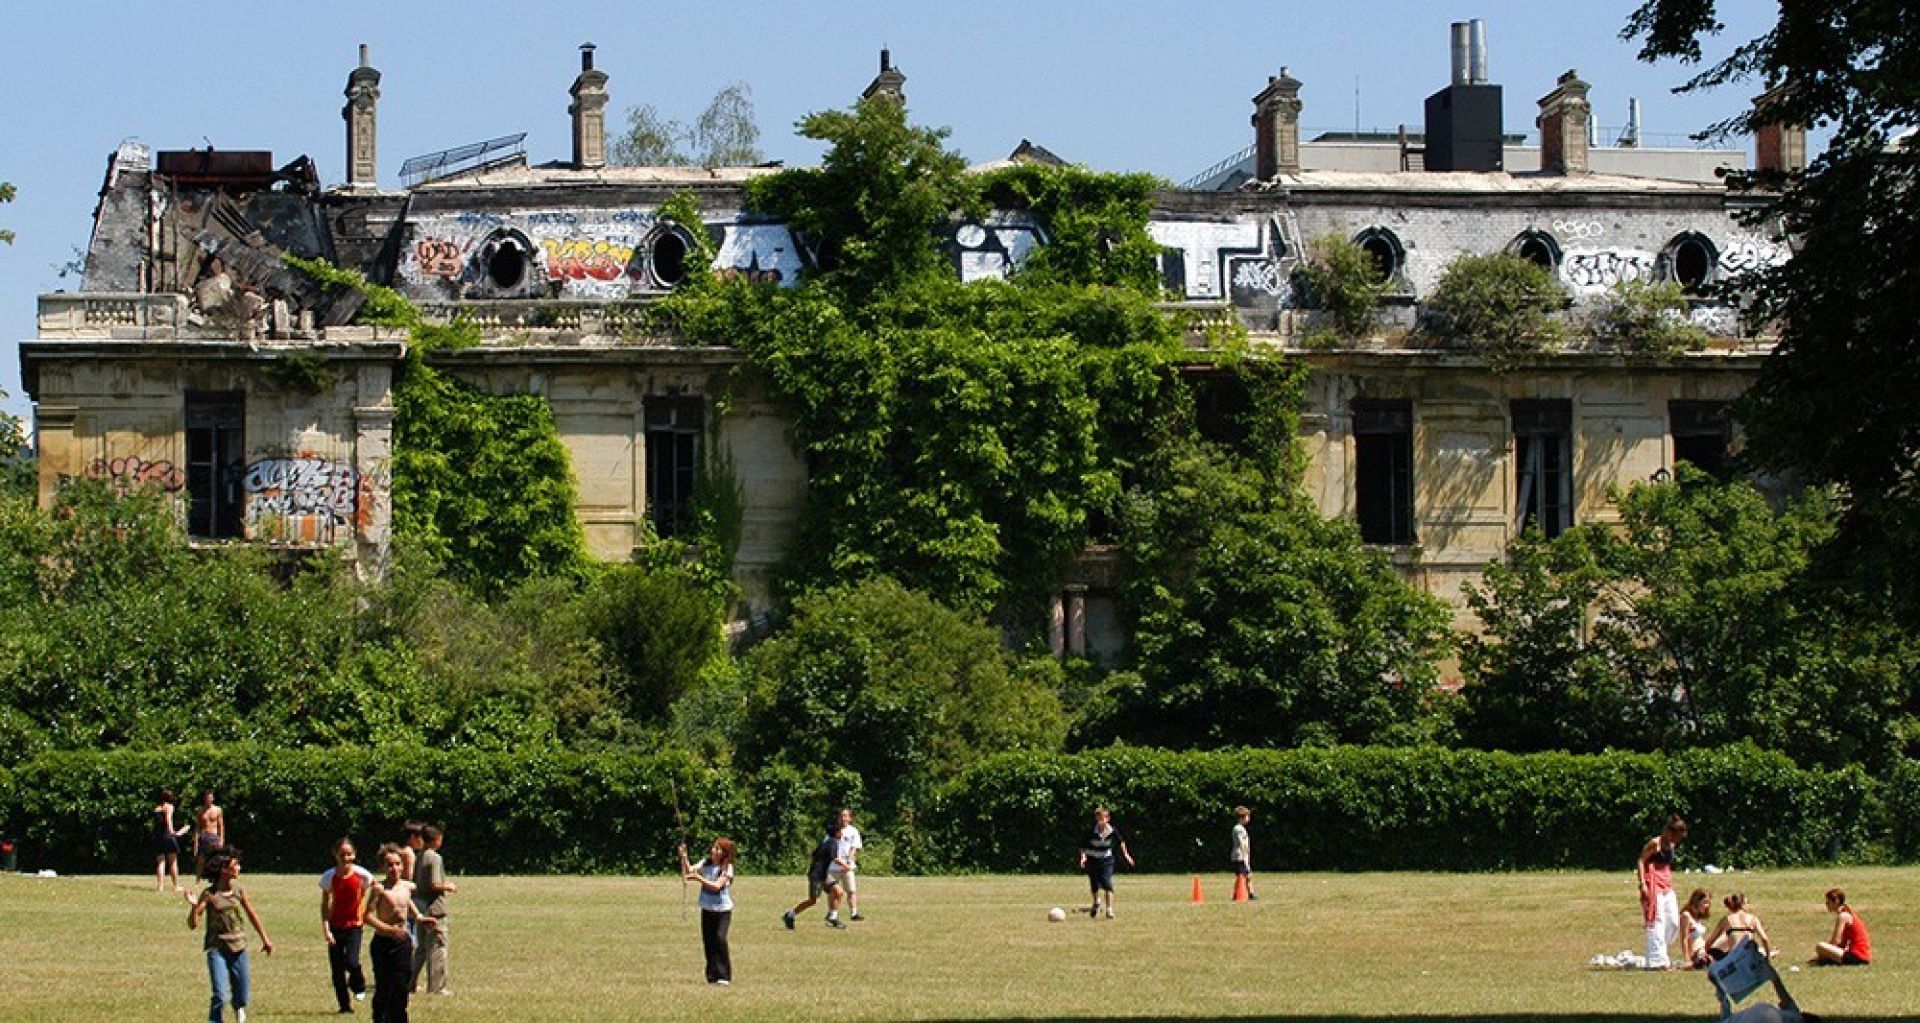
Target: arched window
(1690,260)
(1385,250)
(1537,247)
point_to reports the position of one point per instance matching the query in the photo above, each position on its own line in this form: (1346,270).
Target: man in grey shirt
(430,891)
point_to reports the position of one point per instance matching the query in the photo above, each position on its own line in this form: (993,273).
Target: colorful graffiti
(135,473)
(300,499)
(439,257)
(584,259)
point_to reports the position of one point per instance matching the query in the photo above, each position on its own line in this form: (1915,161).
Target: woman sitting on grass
(1693,928)
(1850,946)
(1739,925)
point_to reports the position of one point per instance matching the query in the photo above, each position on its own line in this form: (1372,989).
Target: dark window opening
(1538,249)
(1221,407)
(673,462)
(1693,260)
(216,450)
(507,267)
(1543,465)
(1173,271)
(1383,470)
(1384,249)
(669,259)
(1703,435)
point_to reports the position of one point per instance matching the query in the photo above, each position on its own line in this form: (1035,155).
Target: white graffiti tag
(1590,271)
(1742,257)
(1258,275)
(1578,230)
(290,487)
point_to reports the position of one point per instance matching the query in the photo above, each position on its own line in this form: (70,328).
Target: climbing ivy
(482,486)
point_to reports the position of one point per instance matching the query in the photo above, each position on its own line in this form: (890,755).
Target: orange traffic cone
(1240,888)
(1197,897)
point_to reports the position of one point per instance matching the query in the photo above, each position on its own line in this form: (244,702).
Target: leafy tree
(889,683)
(660,628)
(1342,279)
(1645,316)
(1835,402)
(1498,304)
(1693,622)
(19,473)
(725,135)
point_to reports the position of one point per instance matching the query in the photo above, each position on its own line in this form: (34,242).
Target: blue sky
(1163,88)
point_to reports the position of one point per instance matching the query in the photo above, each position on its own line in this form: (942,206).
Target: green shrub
(1645,316)
(1342,279)
(533,810)
(1373,808)
(1497,304)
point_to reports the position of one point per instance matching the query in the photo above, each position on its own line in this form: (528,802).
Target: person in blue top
(715,875)
(1097,852)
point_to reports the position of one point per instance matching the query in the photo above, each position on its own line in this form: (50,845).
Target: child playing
(1241,856)
(224,903)
(715,874)
(343,891)
(388,909)
(821,878)
(430,891)
(1097,859)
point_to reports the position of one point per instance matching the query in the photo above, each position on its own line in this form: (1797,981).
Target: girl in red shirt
(1850,946)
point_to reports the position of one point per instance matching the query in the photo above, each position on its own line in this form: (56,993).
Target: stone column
(1564,113)
(589,113)
(1076,620)
(363,91)
(373,469)
(1057,626)
(1276,127)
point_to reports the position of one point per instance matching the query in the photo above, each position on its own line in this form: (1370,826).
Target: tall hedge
(528,811)
(1377,808)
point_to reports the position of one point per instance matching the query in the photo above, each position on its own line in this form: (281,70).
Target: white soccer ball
(1056,914)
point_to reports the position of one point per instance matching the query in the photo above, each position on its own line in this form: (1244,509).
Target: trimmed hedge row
(530,811)
(1373,808)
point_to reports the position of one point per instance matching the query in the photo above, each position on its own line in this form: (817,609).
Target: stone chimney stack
(889,82)
(1564,114)
(363,91)
(589,113)
(1276,127)
(1779,147)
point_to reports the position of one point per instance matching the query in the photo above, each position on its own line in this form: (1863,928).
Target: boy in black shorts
(821,878)
(1097,858)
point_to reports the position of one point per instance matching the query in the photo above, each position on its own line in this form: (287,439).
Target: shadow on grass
(1512,1017)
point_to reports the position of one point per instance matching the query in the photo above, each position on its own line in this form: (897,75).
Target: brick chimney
(589,113)
(1276,127)
(890,82)
(363,91)
(1779,147)
(1564,114)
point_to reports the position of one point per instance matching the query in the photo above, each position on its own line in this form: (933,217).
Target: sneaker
(723,982)
(836,924)
(856,916)
(359,996)
(239,1016)
(787,918)
(1109,912)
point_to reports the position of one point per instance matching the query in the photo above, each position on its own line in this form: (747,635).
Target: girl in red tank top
(1850,945)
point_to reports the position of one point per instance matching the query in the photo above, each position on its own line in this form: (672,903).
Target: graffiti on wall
(603,255)
(131,473)
(300,499)
(1748,255)
(994,249)
(1592,271)
(1245,262)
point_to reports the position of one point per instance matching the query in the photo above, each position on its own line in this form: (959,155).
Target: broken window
(673,462)
(216,449)
(1543,465)
(1702,435)
(1538,248)
(669,258)
(1383,470)
(1385,251)
(1690,260)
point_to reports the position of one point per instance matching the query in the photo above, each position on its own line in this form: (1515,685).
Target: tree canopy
(724,135)
(1835,403)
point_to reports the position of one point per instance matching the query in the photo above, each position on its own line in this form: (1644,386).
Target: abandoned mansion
(168,367)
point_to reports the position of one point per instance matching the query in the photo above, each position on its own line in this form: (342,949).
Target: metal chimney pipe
(1461,66)
(1633,123)
(1477,52)
(363,55)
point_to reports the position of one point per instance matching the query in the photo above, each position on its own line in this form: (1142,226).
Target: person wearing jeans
(343,890)
(227,909)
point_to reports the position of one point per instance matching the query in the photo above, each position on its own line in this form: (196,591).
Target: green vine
(482,485)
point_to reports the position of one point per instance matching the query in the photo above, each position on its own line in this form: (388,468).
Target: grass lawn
(1364,947)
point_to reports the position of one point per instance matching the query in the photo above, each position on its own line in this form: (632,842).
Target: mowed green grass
(1317,946)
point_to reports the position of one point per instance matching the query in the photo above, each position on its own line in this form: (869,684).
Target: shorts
(1847,958)
(1240,867)
(1100,873)
(817,885)
(165,844)
(847,881)
(840,879)
(209,844)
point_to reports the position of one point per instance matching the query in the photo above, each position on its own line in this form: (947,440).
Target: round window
(669,259)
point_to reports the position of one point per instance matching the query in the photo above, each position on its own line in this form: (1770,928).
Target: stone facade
(188,361)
